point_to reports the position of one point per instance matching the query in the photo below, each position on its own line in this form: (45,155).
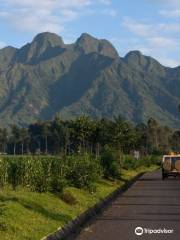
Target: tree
(81,130)
(59,134)
(96,137)
(142,137)
(124,135)
(175,141)
(34,131)
(3,139)
(164,136)
(45,132)
(15,137)
(23,137)
(153,143)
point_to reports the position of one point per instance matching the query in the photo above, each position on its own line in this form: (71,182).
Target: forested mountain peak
(89,44)
(44,46)
(51,39)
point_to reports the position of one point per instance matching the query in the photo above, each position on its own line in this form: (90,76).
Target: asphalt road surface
(150,203)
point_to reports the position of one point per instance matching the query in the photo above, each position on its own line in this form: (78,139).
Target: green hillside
(48,76)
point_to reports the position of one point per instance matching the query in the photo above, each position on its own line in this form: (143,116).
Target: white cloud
(38,22)
(171,8)
(110,12)
(107,2)
(160,54)
(170,13)
(136,27)
(162,42)
(169,62)
(157,40)
(2,44)
(4,14)
(173,3)
(44,15)
(145,29)
(147,48)
(48,4)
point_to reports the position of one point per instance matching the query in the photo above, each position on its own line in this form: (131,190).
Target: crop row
(53,173)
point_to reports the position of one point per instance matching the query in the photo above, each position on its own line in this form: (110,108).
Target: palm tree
(15,137)
(153,140)
(45,132)
(141,134)
(81,131)
(3,139)
(23,136)
(59,134)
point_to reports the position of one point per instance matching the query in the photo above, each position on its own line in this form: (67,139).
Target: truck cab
(170,165)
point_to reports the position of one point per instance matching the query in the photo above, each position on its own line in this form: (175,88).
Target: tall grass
(53,173)
(49,173)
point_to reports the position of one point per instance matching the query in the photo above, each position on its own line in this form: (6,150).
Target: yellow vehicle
(170,165)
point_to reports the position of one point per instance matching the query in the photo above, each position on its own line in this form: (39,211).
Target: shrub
(52,173)
(130,162)
(58,175)
(84,171)
(47,173)
(37,174)
(109,162)
(3,172)
(68,198)
(15,171)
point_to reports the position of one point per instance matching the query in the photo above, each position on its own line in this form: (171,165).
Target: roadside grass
(26,215)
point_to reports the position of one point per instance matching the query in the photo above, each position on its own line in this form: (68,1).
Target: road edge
(80,221)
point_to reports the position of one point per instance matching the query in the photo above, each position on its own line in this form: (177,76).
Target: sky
(150,26)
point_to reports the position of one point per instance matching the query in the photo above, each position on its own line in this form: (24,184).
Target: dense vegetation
(56,165)
(47,76)
(27,215)
(61,168)
(79,152)
(53,174)
(87,135)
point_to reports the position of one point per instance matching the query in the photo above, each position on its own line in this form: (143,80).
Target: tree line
(86,135)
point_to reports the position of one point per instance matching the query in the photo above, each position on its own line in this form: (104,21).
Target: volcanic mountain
(89,77)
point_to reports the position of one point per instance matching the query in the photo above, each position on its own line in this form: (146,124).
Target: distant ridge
(48,76)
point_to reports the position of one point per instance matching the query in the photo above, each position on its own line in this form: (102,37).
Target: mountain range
(89,77)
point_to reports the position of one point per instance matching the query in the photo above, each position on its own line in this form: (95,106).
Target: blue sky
(151,26)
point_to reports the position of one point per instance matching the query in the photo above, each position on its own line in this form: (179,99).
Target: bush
(3,172)
(109,162)
(68,198)
(84,171)
(41,173)
(15,172)
(58,175)
(46,174)
(50,173)
(130,162)
(37,174)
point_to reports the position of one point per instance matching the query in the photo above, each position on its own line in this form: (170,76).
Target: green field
(27,215)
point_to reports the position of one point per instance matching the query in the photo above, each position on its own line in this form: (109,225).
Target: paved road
(149,203)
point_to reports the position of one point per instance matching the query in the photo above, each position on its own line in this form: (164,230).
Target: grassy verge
(26,215)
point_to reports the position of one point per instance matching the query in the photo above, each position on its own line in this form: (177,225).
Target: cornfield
(49,173)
